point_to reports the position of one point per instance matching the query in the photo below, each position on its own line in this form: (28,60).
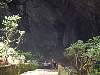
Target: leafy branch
(85,54)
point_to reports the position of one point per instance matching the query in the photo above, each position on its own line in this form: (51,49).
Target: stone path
(40,72)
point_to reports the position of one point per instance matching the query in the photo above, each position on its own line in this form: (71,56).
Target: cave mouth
(71,22)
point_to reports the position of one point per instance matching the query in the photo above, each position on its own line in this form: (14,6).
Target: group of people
(50,64)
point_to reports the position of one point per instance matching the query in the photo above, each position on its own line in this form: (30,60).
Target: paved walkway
(40,72)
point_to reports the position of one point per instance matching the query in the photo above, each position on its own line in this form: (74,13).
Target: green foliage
(28,55)
(96,69)
(10,29)
(11,22)
(85,54)
(90,49)
(77,47)
(93,48)
(12,38)
(26,67)
(3,3)
(17,69)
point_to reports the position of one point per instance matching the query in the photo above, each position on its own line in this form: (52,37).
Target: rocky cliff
(51,25)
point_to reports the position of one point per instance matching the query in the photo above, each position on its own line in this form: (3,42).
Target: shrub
(17,69)
(11,39)
(85,54)
(9,42)
(26,67)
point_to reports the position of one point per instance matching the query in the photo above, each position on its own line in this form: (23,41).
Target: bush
(17,69)
(85,55)
(26,67)
(96,68)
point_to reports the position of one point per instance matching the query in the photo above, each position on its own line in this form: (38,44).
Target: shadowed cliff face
(51,25)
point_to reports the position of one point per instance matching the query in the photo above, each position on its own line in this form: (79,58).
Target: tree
(85,54)
(10,29)
(11,37)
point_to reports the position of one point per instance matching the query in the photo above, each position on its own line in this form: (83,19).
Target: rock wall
(51,25)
